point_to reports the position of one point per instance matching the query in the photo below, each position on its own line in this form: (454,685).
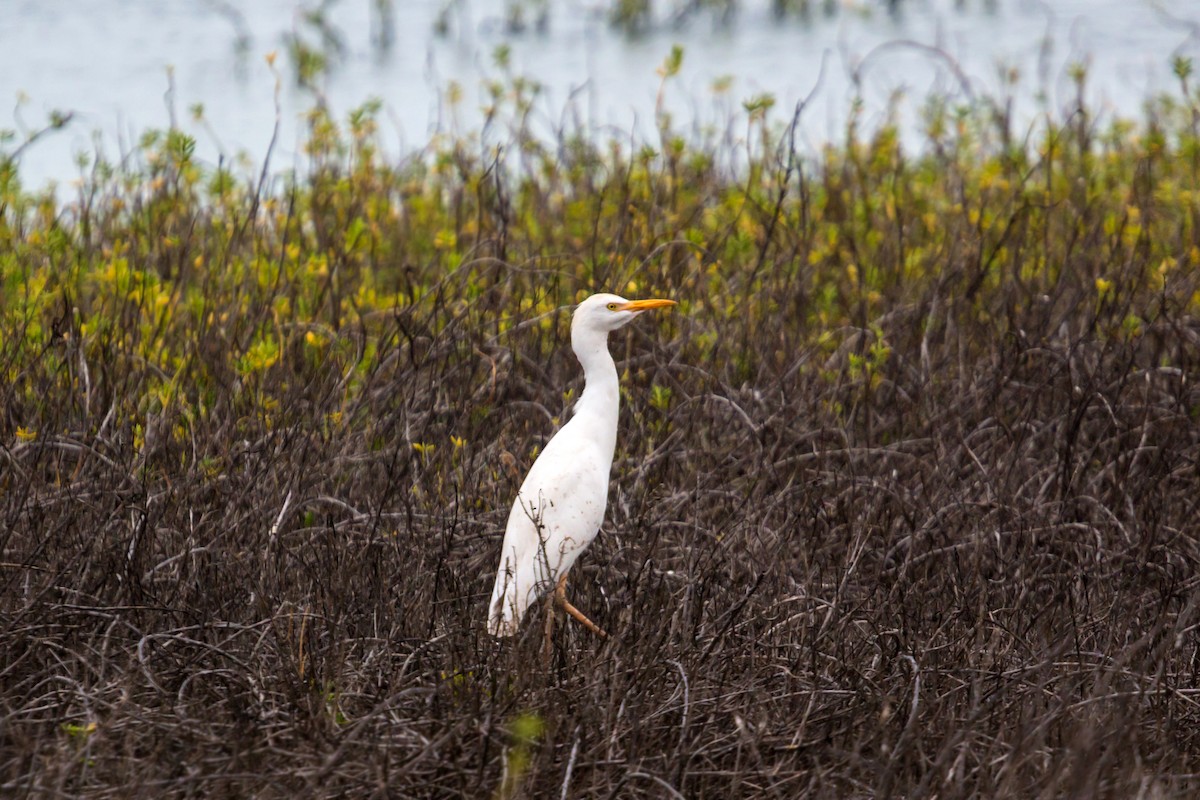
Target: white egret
(560,505)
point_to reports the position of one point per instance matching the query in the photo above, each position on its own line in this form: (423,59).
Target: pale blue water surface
(107,62)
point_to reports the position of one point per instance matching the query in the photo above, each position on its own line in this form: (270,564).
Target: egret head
(607,312)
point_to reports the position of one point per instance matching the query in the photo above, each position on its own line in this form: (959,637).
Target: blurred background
(111,69)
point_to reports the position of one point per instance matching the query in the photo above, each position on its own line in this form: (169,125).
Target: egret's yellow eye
(612,306)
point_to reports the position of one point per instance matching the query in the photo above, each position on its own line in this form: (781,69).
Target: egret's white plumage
(560,505)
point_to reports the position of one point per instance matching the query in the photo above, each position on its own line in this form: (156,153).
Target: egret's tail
(504,613)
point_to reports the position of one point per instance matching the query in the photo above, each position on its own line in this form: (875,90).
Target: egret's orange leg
(560,597)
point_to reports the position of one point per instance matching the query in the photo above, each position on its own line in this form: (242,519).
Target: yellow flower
(26,435)
(1103,287)
(457,441)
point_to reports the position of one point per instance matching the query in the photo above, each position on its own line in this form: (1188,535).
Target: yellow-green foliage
(187,290)
(526,732)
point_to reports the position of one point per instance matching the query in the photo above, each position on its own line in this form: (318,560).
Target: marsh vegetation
(904,502)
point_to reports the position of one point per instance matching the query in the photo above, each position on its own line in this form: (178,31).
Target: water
(107,62)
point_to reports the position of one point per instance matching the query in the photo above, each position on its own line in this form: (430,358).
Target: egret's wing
(557,513)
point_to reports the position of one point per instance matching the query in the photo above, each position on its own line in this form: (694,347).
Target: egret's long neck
(601,394)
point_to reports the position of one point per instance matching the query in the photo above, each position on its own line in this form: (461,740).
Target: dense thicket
(904,501)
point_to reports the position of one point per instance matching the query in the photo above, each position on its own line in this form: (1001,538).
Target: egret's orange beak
(646,305)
